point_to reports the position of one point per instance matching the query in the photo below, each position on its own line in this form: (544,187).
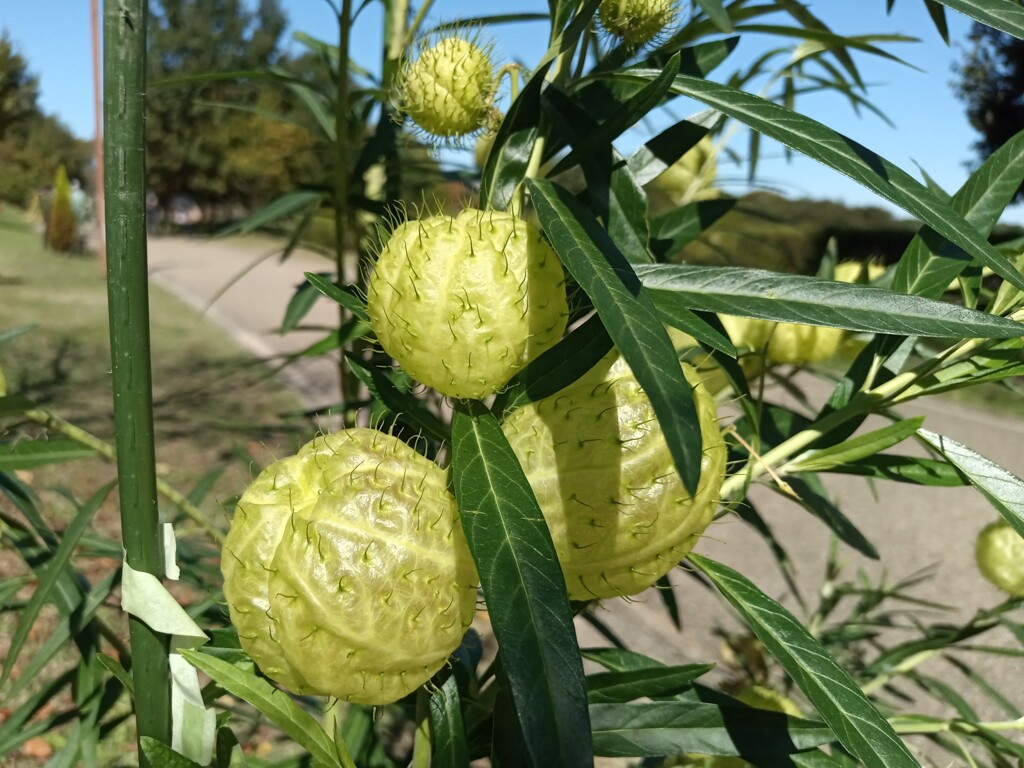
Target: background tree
(33,145)
(18,88)
(198,147)
(991,83)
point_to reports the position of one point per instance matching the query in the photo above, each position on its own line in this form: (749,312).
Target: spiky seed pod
(604,478)
(346,571)
(1000,555)
(448,90)
(636,22)
(463,303)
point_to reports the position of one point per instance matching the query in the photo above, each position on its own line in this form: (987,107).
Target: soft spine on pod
(606,483)
(464,302)
(346,571)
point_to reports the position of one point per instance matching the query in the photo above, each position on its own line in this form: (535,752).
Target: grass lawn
(214,407)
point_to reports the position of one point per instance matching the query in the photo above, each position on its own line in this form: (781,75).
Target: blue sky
(930,126)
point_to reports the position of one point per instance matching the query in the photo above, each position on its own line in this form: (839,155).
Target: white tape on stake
(193,726)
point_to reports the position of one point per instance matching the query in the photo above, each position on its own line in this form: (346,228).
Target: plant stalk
(341,184)
(124,71)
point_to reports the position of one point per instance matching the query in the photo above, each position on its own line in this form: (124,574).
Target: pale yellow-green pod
(1000,555)
(448,89)
(606,483)
(346,570)
(463,303)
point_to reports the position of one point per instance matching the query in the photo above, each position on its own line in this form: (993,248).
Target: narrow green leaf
(717,13)
(14,405)
(513,145)
(929,263)
(690,322)
(160,755)
(811,496)
(842,154)
(619,687)
(8,334)
(834,694)
(1003,489)
(27,454)
(113,666)
(276,705)
(612,193)
(855,448)
(813,301)
(446,727)
(48,580)
(284,206)
(400,403)
(558,367)
(677,727)
(905,469)
(600,136)
(342,296)
(299,305)
(524,588)
(674,230)
(938,14)
(628,315)
(654,157)
(1004,15)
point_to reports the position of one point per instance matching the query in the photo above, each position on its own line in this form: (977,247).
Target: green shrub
(61,228)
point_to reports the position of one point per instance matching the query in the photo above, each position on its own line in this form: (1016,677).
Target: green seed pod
(787,343)
(606,483)
(1000,554)
(463,303)
(448,90)
(3,383)
(636,22)
(346,571)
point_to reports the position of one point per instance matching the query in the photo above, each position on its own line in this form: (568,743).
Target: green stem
(912,726)
(417,22)
(421,745)
(107,451)
(124,73)
(341,179)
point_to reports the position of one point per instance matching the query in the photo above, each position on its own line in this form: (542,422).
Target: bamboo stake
(124,73)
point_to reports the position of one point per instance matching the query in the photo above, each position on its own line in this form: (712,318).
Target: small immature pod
(464,302)
(636,22)
(1000,554)
(606,483)
(346,570)
(448,90)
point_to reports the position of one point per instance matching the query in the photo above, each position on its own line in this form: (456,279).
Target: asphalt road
(913,528)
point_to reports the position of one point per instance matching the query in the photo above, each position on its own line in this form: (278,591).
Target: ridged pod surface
(463,303)
(346,571)
(786,343)
(1000,554)
(448,90)
(636,22)
(606,483)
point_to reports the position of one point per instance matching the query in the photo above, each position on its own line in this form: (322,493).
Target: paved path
(913,528)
